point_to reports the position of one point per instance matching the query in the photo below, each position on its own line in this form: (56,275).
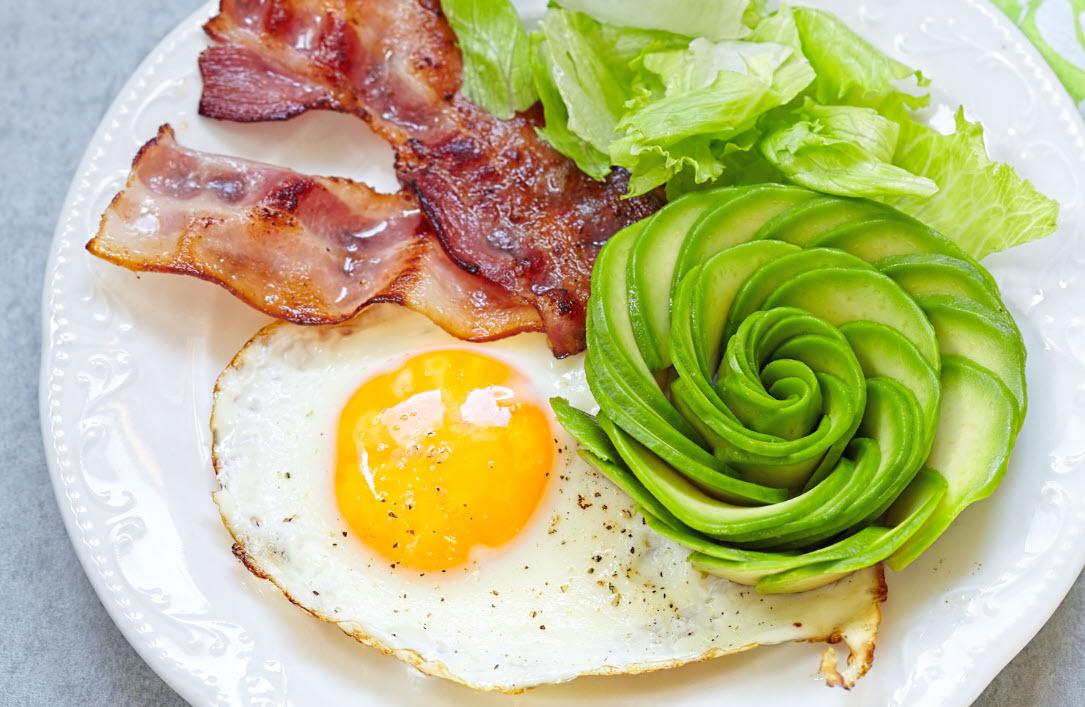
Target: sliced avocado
(813,217)
(882,351)
(624,386)
(694,462)
(610,335)
(884,237)
(709,515)
(921,499)
(585,429)
(802,341)
(733,222)
(619,379)
(841,295)
(937,274)
(705,296)
(891,423)
(777,573)
(965,328)
(793,415)
(763,282)
(651,268)
(880,237)
(971,448)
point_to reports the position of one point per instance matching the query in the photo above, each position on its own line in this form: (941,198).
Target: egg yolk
(439,456)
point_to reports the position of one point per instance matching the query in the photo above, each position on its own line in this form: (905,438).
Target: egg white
(585,587)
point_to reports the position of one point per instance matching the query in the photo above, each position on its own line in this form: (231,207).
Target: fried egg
(415,490)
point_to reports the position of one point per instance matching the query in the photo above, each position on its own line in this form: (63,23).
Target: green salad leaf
(588,75)
(843,150)
(556,131)
(714,19)
(849,69)
(496,62)
(712,93)
(982,205)
(722,92)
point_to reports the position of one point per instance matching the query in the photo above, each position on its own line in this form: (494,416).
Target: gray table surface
(62,64)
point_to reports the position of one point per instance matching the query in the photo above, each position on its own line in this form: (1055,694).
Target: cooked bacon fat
(506,205)
(311,250)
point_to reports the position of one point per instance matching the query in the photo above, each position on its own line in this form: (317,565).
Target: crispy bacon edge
(193,201)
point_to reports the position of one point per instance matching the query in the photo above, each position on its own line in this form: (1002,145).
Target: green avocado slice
(621,382)
(890,422)
(884,352)
(694,462)
(922,497)
(585,429)
(612,346)
(733,222)
(810,218)
(709,515)
(785,573)
(971,448)
(823,367)
(937,274)
(840,296)
(766,279)
(966,328)
(883,237)
(651,268)
(705,296)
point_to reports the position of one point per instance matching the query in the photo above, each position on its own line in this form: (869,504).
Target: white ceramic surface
(129,364)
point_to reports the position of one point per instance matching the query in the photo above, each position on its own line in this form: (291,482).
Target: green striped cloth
(1054,26)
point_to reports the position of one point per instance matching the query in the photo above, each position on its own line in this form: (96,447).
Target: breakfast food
(506,205)
(772,365)
(366,470)
(309,250)
(832,382)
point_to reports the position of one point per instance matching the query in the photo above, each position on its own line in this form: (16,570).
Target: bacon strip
(311,250)
(506,205)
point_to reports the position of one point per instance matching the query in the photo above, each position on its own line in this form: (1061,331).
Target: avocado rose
(796,386)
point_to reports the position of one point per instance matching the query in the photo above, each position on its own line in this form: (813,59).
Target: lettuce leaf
(740,164)
(712,92)
(984,206)
(849,69)
(592,161)
(496,63)
(591,69)
(713,19)
(699,94)
(843,150)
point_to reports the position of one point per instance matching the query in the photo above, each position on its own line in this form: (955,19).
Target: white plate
(129,364)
